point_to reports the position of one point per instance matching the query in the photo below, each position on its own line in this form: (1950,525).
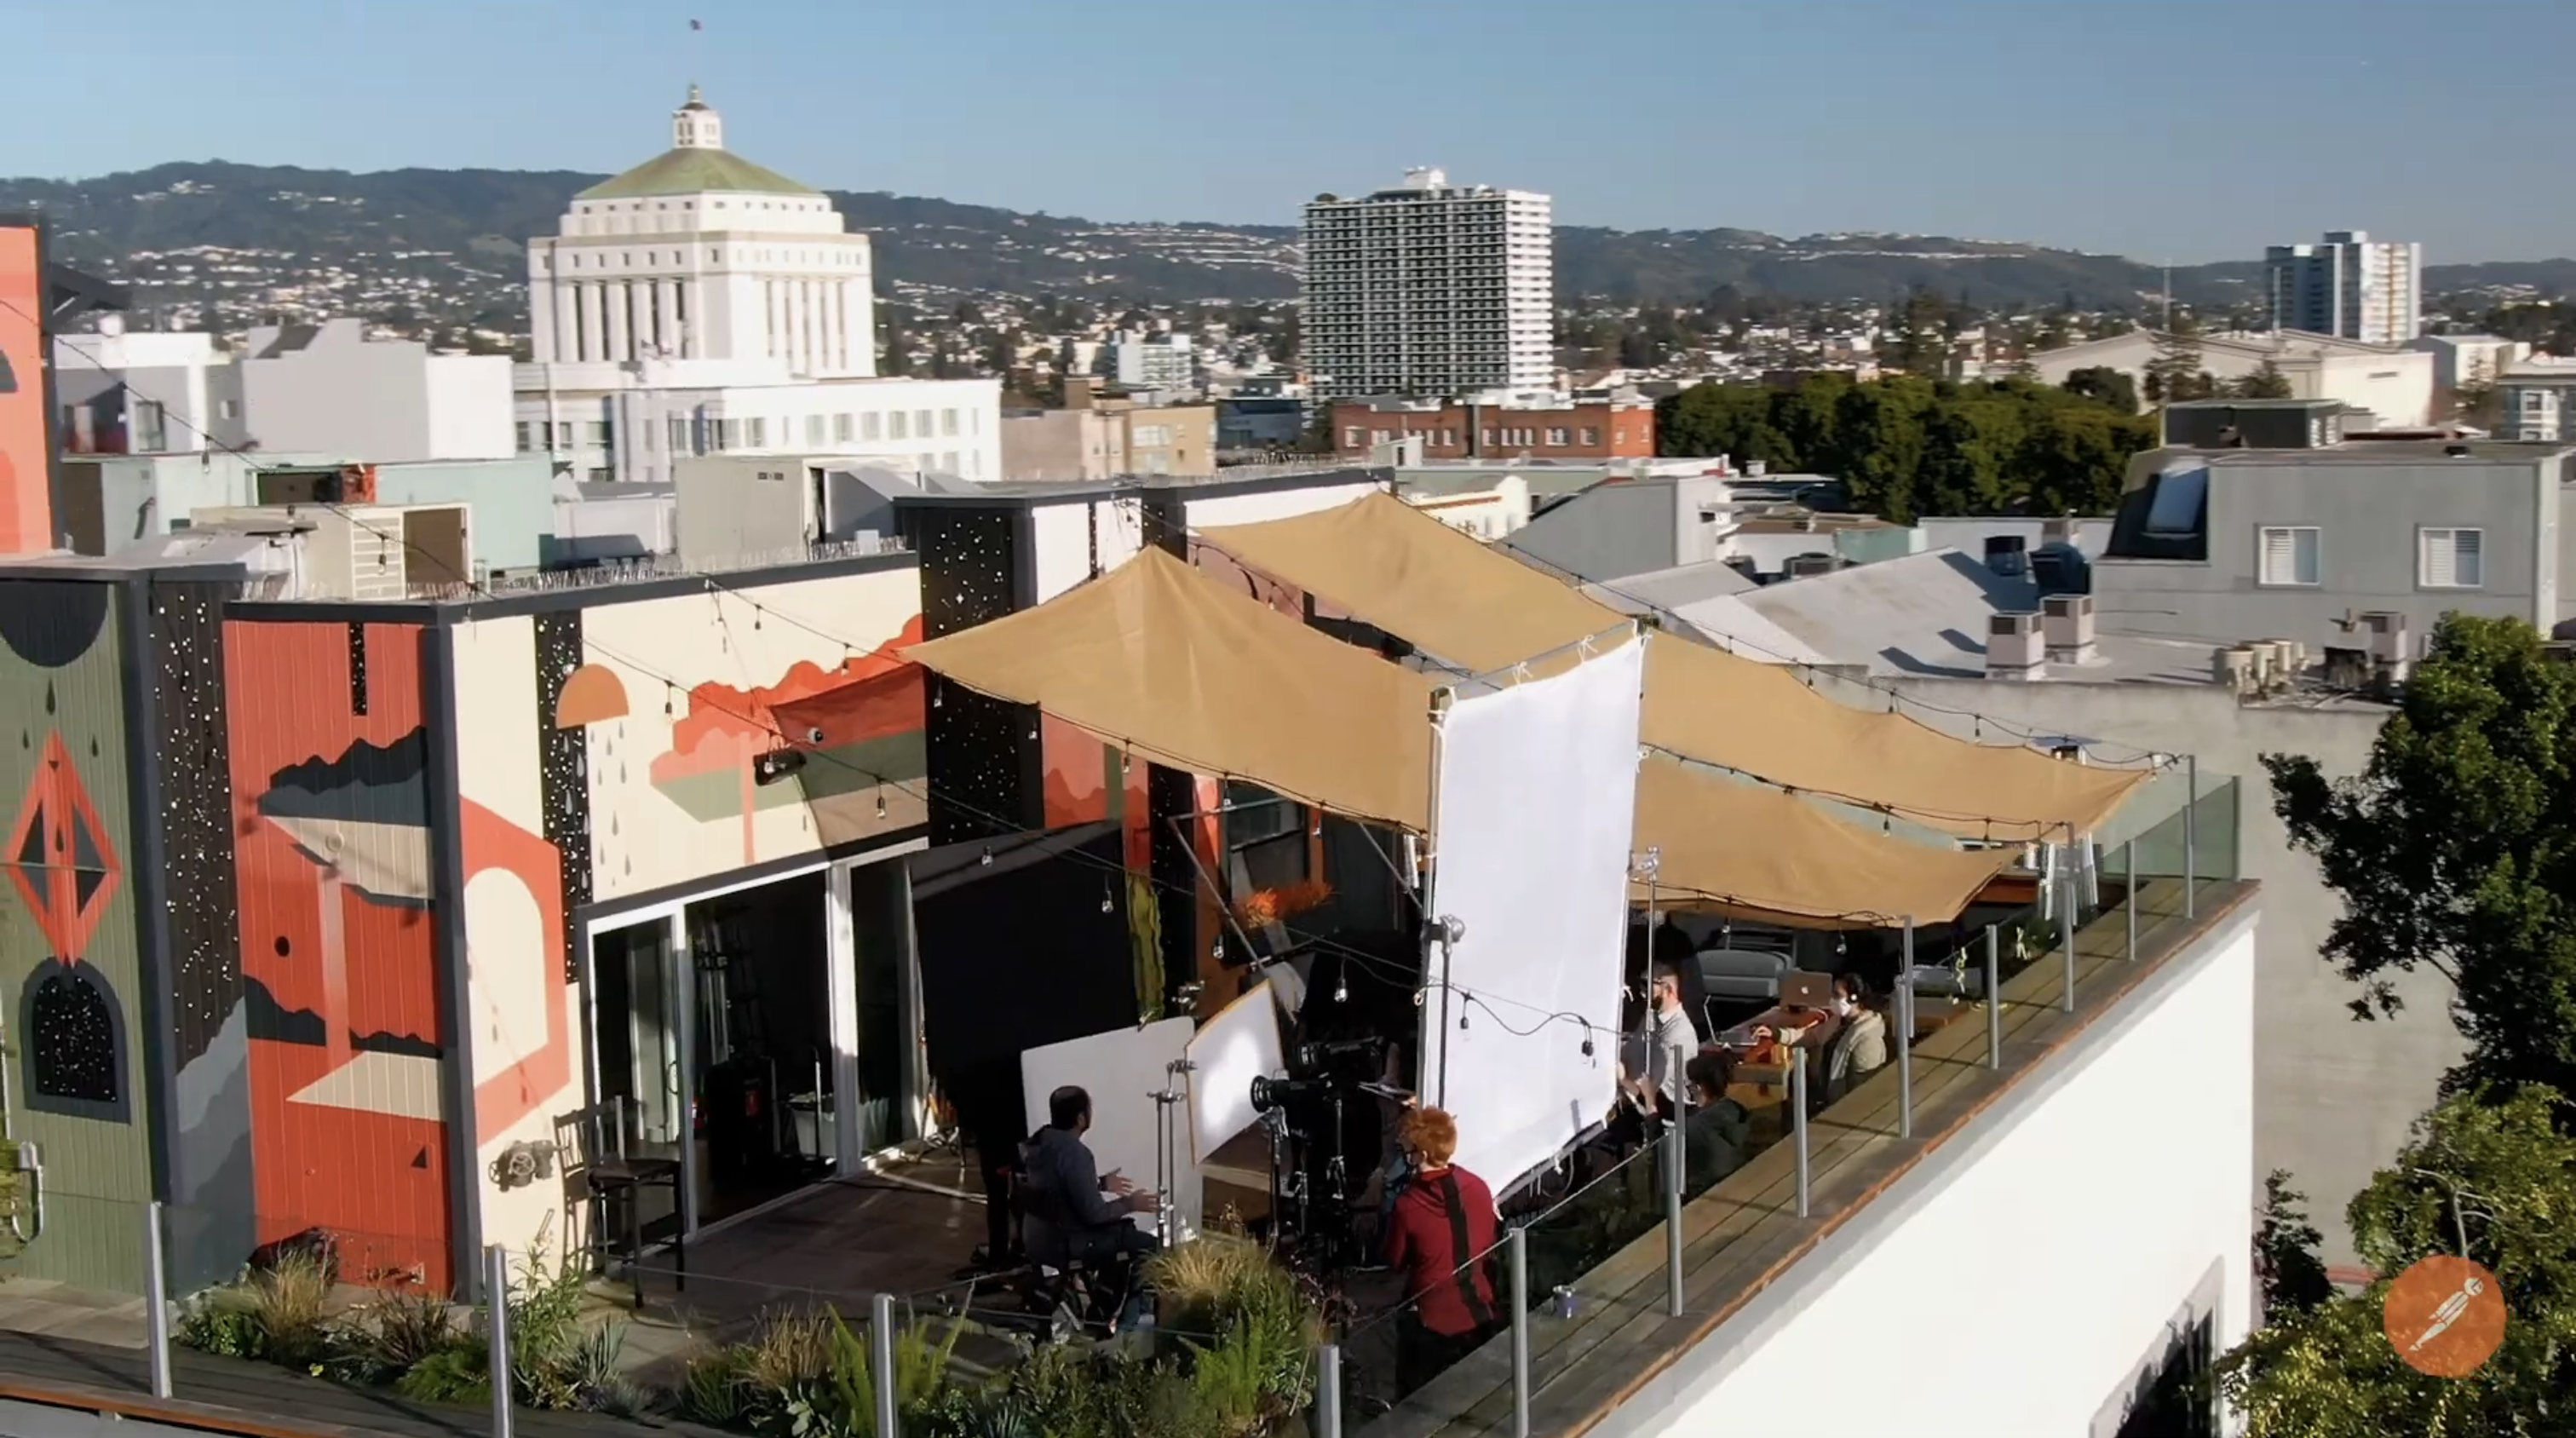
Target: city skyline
(1799,143)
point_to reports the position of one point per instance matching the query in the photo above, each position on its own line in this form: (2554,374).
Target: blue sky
(2177,129)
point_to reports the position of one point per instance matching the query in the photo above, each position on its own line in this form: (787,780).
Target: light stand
(1167,1151)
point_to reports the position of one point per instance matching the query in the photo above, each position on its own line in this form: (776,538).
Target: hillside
(450,241)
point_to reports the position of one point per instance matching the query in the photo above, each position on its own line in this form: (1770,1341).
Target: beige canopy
(1190,675)
(1749,850)
(1405,572)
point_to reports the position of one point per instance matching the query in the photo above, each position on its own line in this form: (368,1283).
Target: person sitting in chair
(1069,1220)
(1859,1049)
(1717,1131)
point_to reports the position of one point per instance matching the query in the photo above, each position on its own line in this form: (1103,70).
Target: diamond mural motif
(58,855)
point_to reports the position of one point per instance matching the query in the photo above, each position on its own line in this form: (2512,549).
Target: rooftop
(695,171)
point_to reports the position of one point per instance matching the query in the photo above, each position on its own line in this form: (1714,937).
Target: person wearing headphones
(1441,1236)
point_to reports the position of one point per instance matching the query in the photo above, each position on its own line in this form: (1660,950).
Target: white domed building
(701,304)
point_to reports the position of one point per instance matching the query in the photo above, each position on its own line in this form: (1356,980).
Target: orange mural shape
(724,724)
(26,449)
(590,694)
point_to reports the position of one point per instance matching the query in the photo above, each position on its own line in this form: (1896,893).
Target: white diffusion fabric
(1122,1070)
(1537,802)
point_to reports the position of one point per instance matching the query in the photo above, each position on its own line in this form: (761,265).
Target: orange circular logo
(2444,1316)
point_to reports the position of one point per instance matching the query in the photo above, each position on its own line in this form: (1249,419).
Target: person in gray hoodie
(1074,1212)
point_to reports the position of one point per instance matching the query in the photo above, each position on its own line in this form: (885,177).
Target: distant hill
(451,240)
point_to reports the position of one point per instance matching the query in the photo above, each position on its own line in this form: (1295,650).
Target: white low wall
(2019,1279)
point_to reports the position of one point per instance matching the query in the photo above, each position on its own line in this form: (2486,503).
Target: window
(2181,495)
(1591,435)
(601,474)
(1489,437)
(151,435)
(841,429)
(757,432)
(902,426)
(2287,555)
(921,423)
(1152,436)
(869,427)
(231,409)
(813,429)
(948,424)
(1350,436)
(1557,437)
(527,437)
(2450,558)
(597,433)
(948,462)
(679,431)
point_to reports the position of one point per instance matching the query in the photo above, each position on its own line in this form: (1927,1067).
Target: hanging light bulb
(667,691)
(936,694)
(1108,904)
(1126,763)
(755,616)
(1342,987)
(988,856)
(881,804)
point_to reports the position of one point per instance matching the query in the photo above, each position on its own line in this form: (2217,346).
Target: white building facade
(2536,400)
(1429,290)
(2348,285)
(701,304)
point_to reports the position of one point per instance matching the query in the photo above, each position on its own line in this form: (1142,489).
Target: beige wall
(1063,444)
(525,1023)
(1185,435)
(671,794)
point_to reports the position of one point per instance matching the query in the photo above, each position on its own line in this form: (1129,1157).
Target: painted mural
(70,974)
(332,826)
(679,699)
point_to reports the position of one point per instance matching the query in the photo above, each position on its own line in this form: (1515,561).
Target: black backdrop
(1018,953)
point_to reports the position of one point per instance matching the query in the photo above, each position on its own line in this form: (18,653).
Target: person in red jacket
(1444,1218)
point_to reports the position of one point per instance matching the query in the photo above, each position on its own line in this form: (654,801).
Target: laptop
(1800,989)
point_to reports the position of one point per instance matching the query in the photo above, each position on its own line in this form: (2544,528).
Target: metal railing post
(2129,890)
(1676,1154)
(1904,1019)
(881,1362)
(2190,835)
(1328,1391)
(1994,1001)
(496,1309)
(156,1295)
(2066,939)
(1798,1120)
(1520,1334)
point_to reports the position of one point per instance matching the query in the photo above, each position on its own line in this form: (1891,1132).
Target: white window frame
(2473,562)
(2263,575)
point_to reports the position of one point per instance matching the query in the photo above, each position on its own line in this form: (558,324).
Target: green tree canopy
(2114,387)
(2266,382)
(2493,1182)
(1906,447)
(2455,849)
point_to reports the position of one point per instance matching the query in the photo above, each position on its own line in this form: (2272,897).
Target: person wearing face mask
(1860,1045)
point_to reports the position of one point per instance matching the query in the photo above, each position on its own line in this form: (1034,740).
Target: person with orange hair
(1441,1237)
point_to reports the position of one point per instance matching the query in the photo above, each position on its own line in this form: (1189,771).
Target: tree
(2114,387)
(2174,373)
(2489,1181)
(2285,1253)
(2474,401)
(2266,382)
(2455,849)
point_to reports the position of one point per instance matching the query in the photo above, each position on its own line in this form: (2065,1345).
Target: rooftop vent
(1808,566)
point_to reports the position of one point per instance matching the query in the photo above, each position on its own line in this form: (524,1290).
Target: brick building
(1593,429)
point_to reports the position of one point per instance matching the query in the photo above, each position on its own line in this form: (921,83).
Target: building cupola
(696,125)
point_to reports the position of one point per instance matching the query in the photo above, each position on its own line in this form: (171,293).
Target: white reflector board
(1537,799)
(1121,1070)
(1237,1046)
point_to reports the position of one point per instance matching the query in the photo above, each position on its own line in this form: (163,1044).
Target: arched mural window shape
(70,1029)
(72,1035)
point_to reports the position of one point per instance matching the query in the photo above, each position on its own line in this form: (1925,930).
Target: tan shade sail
(1757,853)
(1407,573)
(1188,674)
(1762,719)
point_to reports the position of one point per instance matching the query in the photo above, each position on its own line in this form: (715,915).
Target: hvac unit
(2231,667)
(2387,630)
(2015,648)
(2066,623)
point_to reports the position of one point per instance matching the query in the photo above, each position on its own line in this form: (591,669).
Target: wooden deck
(1744,1233)
(259,1400)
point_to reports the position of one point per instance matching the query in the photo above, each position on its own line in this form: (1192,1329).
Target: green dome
(695,171)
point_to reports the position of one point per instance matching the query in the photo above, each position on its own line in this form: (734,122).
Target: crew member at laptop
(1068,1218)
(1444,1217)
